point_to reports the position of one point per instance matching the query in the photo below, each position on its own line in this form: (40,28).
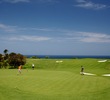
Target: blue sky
(55,27)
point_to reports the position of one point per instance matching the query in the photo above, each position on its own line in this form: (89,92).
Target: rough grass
(56,81)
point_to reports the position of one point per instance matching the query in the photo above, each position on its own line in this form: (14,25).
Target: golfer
(33,66)
(19,69)
(82,70)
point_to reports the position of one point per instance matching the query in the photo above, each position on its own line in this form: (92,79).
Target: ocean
(68,56)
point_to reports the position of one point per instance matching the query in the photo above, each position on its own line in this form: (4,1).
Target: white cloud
(7,28)
(41,29)
(87,37)
(62,35)
(94,37)
(17,29)
(81,1)
(15,1)
(90,5)
(27,1)
(27,38)
(48,1)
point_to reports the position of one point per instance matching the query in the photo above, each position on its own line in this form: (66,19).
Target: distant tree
(15,60)
(12,59)
(1,65)
(5,51)
(1,57)
(34,57)
(5,58)
(46,57)
(1,60)
(5,54)
(5,63)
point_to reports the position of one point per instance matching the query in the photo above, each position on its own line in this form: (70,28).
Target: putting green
(52,85)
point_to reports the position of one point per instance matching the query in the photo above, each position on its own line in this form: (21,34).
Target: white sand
(95,74)
(89,74)
(106,75)
(60,61)
(102,60)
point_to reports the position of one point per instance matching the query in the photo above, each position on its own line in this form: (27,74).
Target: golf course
(57,79)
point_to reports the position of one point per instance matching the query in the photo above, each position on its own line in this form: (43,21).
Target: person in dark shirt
(82,70)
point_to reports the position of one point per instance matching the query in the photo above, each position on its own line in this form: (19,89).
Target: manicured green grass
(56,81)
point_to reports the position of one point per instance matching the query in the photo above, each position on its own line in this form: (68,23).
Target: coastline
(68,56)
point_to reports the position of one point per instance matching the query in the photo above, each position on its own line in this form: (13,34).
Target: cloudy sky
(55,27)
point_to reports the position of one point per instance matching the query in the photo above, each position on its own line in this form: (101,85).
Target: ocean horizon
(69,56)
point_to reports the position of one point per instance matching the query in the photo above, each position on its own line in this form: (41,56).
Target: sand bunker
(89,74)
(102,60)
(60,61)
(106,75)
(95,74)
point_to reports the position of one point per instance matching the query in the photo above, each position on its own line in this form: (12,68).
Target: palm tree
(5,61)
(5,54)
(5,51)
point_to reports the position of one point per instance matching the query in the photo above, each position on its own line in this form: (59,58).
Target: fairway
(55,84)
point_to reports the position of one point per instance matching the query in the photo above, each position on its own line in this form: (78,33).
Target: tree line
(11,60)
